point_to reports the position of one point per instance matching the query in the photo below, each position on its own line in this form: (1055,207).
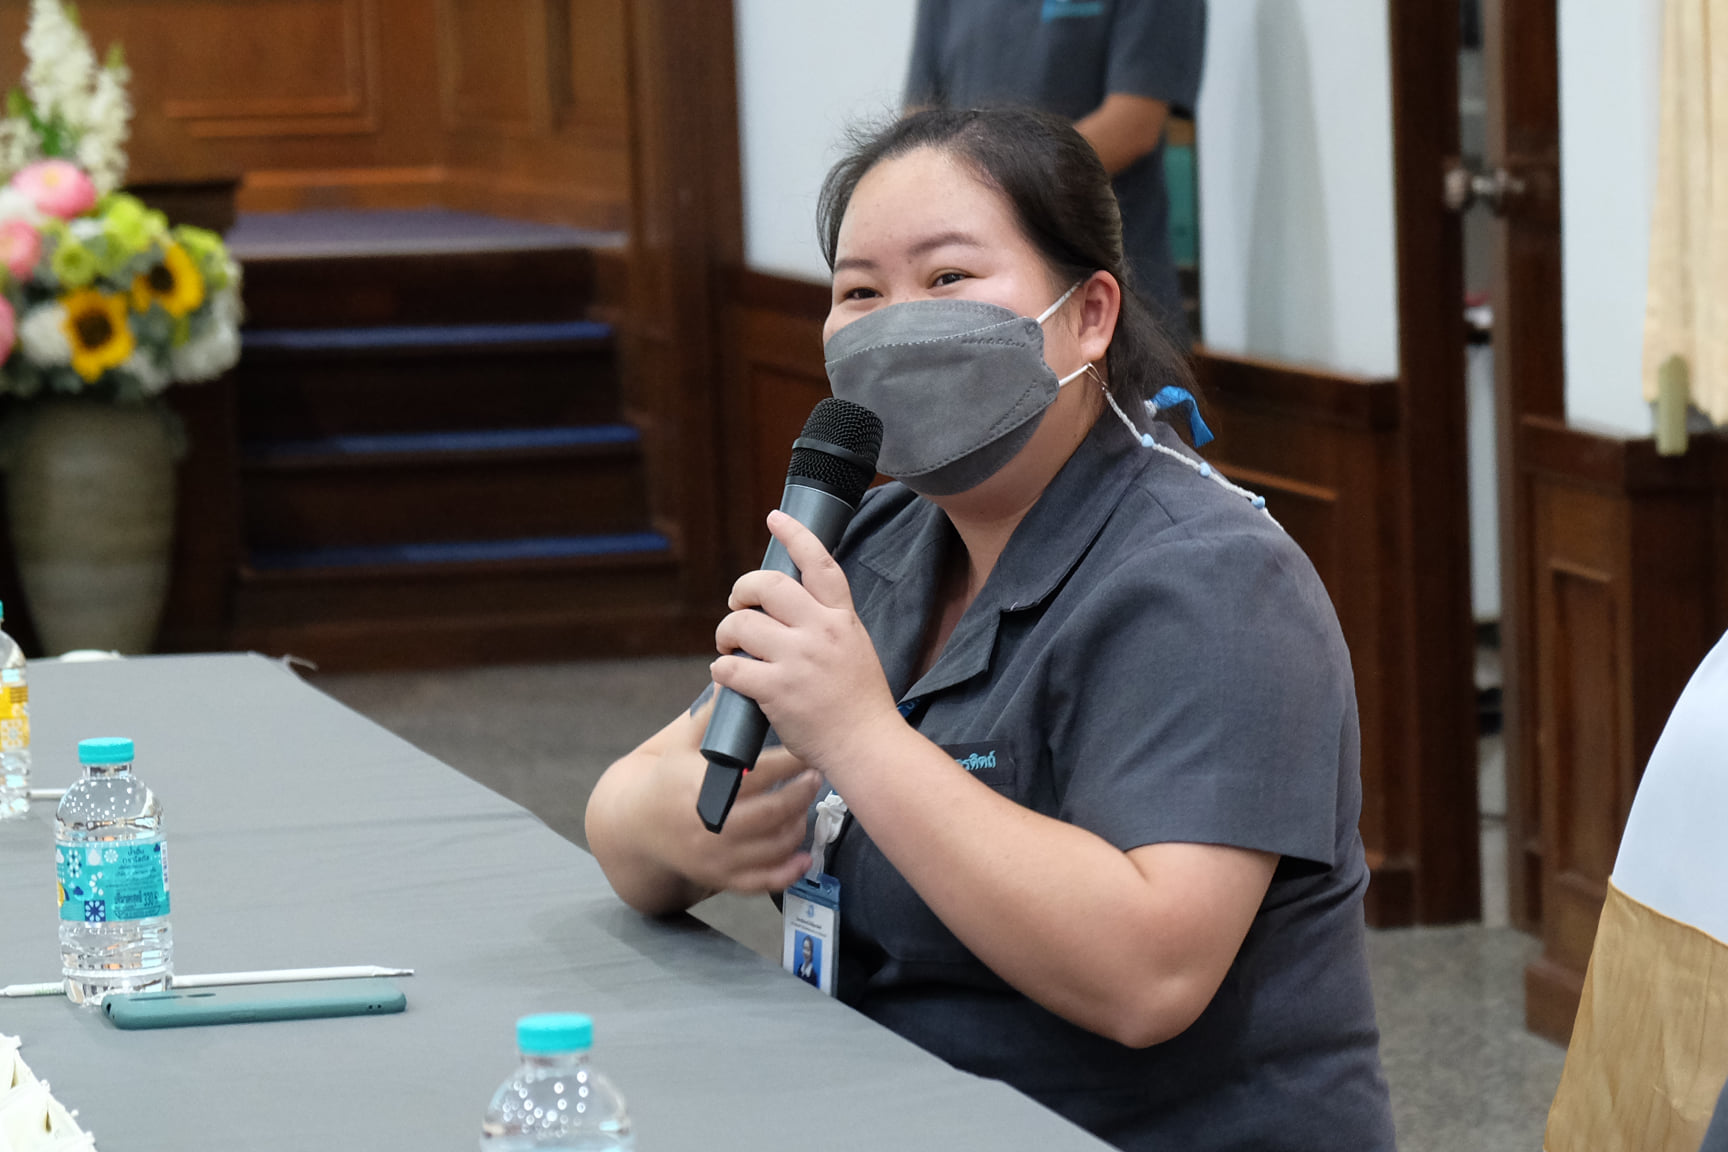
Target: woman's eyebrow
(928,244)
(943,240)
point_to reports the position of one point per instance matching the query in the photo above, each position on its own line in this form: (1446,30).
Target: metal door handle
(1497,190)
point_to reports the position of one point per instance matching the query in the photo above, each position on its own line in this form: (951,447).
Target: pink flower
(20,248)
(57,187)
(8,328)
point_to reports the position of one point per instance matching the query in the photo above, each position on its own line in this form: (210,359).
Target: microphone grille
(846,425)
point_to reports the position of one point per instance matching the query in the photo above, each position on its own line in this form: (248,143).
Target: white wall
(1297,247)
(806,70)
(1610,59)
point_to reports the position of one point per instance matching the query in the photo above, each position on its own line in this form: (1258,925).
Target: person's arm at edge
(618,832)
(642,826)
(1124,129)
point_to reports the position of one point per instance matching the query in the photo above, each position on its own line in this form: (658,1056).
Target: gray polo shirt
(1065,56)
(1155,661)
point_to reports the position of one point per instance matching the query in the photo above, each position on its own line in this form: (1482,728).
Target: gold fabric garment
(1649,1050)
(1686,312)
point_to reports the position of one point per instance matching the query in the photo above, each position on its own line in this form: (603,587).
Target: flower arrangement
(98,293)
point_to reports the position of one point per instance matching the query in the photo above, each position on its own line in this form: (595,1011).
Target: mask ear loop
(1060,300)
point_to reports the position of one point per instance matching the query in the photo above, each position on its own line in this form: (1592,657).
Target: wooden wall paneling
(1624,605)
(536,108)
(1323,449)
(1433,525)
(224,88)
(318,75)
(497,60)
(775,376)
(686,240)
(513,106)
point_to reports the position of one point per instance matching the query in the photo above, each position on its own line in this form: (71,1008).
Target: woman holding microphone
(1088,707)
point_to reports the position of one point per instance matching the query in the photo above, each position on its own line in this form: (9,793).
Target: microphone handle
(737,728)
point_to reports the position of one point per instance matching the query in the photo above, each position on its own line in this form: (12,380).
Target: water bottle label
(101,883)
(14,711)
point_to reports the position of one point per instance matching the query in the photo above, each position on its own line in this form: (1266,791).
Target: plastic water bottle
(14,729)
(113,879)
(556,1100)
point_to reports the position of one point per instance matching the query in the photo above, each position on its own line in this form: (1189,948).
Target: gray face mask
(960,386)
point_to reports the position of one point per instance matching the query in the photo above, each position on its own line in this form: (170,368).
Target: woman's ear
(1100,305)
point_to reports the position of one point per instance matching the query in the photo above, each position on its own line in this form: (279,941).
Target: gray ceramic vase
(90,492)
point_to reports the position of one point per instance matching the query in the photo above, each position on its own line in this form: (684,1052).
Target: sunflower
(100,337)
(175,284)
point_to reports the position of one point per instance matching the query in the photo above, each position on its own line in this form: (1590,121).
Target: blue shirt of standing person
(1116,68)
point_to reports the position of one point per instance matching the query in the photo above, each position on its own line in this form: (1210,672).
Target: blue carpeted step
(480,440)
(422,338)
(463,552)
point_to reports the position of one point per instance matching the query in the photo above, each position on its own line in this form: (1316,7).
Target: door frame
(1440,735)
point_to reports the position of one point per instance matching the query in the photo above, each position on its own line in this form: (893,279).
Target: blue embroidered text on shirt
(974,762)
(1072,9)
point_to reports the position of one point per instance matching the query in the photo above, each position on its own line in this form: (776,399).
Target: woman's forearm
(622,836)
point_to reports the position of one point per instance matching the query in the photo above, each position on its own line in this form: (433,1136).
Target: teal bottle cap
(105,750)
(552,1033)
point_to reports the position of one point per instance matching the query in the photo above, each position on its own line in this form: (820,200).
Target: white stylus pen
(226,979)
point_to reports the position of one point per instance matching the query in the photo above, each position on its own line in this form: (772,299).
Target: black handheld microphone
(833,463)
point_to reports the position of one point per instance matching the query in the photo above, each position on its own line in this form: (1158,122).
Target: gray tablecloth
(302,834)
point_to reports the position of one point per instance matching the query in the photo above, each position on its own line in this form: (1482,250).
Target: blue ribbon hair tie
(1174,397)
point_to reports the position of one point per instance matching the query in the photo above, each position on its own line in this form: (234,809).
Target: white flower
(225,306)
(102,147)
(42,335)
(149,374)
(217,348)
(19,146)
(14,205)
(62,69)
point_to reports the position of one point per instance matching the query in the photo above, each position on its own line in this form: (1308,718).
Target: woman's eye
(948,278)
(858,294)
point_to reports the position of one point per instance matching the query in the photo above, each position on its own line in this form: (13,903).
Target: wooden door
(1521,47)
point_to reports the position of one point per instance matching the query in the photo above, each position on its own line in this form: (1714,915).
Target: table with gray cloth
(302,834)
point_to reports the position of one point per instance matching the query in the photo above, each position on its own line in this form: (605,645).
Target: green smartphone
(251,1003)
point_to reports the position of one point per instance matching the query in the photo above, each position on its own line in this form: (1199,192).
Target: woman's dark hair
(1062,199)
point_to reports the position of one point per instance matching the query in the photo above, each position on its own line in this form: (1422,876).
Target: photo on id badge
(811,918)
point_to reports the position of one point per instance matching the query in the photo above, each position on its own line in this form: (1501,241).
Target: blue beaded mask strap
(1174,397)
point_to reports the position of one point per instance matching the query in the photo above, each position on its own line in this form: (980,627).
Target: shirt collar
(1051,539)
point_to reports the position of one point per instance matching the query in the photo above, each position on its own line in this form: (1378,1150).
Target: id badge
(811,941)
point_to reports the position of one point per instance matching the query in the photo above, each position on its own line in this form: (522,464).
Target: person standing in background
(1116,68)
